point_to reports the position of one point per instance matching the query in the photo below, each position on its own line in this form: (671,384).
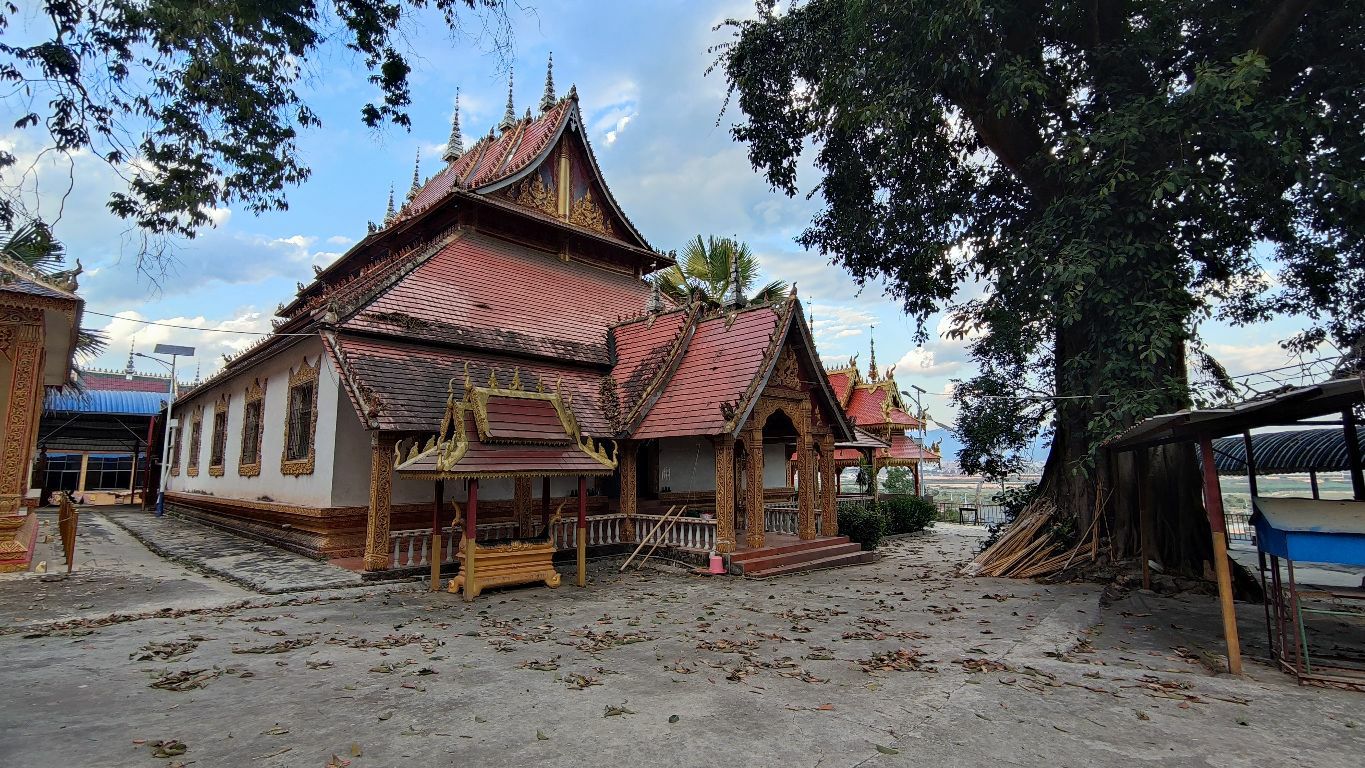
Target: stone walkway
(255,565)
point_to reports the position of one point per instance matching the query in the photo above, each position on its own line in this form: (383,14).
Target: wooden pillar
(1348,423)
(1146,531)
(725,494)
(829,487)
(582,531)
(805,492)
(471,535)
(436,550)
(521,505)
(753,490)
(381,500)
(544,504)
(1213,506)
(1251,464)
(872,481)
(627,468)
(914,468)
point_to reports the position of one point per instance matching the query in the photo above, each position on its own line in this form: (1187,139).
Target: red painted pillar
(471,530)
(1213,506)
(582,531)
(147,474)
(544,504)
(436,547)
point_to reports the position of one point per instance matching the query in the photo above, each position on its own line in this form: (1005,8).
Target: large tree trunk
(1082,482)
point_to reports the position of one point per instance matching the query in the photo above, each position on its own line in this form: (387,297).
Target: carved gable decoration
(536,192)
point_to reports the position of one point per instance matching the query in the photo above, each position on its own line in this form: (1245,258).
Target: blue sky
(652,114)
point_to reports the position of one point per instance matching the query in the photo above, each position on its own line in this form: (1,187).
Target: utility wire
(195,327)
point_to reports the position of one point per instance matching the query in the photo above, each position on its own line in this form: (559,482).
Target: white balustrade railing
(602,529)
(411,548)
(692,533)
(781,518)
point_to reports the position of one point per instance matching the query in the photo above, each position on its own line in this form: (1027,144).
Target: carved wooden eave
(792,319)
(441,456)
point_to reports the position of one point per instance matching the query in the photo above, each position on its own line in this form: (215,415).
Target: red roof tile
(487,459)
(514,419)
(717,367)
(842,382)
(114,382)
(867,407)
(408,382)
(487,293)
(642,348)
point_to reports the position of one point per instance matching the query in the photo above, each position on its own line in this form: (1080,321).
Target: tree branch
(1281,23)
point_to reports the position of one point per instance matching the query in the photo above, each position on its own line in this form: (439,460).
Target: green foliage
(706,268)
(33,245)
(1107,178)
(898,480)
(863,522)
(196,104)
(907,514)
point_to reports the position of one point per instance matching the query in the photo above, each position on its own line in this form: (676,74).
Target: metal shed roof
(1299,450)
(104,401)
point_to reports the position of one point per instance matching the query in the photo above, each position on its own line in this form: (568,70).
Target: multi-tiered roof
(875,405)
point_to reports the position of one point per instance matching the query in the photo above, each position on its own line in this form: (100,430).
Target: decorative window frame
(255,394)
(196,442)
(220,405)
(176,444)
(304,374)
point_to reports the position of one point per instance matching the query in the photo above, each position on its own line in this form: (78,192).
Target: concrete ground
(898,662)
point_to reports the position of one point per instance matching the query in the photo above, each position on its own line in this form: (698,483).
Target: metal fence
(971,514)
(1238,525)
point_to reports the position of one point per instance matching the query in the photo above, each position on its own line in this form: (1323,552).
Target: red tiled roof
(905,448)
(481,458)
(717,367)
(482,292)
(842,382)
(866,408)
(641,351)
(408,382)
(514,419)
(114,382)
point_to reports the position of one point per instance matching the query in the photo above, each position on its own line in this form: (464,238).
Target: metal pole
(1348,419)
(582,531)
(166,447)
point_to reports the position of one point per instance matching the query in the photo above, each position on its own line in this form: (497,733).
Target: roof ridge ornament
(872,359)
(655,304)
(389,212)
(736,285)
(416,176)
(547,101)
(455,144)
(509,118)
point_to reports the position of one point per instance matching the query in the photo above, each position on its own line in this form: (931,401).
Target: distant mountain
(952,446)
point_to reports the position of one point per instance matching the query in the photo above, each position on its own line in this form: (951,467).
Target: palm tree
(34,246)
(708,266)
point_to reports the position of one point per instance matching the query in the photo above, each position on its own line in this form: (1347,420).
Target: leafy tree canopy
(1107,173)
(196,104)
(709,266)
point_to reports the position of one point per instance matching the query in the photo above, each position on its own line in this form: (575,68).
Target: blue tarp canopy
(1311,530)
(104,401)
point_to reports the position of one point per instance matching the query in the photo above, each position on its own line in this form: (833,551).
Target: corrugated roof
(1299,450)
(104,401)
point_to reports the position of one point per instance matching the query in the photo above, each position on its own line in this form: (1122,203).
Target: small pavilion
(506,432)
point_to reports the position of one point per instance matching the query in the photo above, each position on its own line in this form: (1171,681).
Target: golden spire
(509,118)
(455,145)
(548,99)
(872,359)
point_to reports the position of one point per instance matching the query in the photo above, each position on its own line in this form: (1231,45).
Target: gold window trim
(255,393)
(304,374)
(196,441)
(176,445)
(220,406)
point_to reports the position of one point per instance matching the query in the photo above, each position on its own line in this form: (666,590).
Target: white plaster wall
(314,490)
(687,464)
(774,465)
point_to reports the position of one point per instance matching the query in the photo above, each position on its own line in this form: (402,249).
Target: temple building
(885,426)
(494,344)
(40,316)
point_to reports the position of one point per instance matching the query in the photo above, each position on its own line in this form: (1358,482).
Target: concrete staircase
(803,556)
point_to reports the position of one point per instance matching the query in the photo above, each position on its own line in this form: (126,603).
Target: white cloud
(211,337)
(923,362)
(340,240)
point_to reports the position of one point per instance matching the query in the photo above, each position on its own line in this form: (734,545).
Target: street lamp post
(923,427)
(174,351)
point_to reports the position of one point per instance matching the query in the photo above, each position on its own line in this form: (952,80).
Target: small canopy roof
(863,439)
(496,432)
(1285,407)
(1302,450)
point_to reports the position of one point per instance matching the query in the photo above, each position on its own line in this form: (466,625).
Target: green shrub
(862,522)
(908,514)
